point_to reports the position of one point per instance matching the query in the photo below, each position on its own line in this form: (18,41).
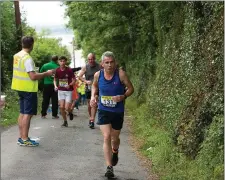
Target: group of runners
(107,87)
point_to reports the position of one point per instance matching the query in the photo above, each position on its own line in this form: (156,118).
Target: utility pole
(18,24)
(73,44)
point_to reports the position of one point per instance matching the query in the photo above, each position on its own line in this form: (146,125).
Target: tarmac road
(73,153)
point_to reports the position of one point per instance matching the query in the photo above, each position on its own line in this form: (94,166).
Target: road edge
(136,144)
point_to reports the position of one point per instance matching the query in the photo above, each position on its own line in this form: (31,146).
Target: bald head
(91,59)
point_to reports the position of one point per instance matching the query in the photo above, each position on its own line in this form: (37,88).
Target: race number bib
(107,101)
(63,82)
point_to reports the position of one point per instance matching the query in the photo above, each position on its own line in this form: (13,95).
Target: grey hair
(108,54)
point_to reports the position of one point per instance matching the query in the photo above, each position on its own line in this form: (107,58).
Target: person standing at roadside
(25,82)
(64,81)
(108,94)
(88,71)
(49,90)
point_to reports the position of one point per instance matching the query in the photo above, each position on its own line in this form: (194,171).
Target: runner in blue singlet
(110,82)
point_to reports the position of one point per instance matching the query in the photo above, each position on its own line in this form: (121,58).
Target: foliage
(10,113)
(44,46)
(173,52)
(8,40)
(105,30)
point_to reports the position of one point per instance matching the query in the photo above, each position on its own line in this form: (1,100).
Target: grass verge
(155,144)
(10,112)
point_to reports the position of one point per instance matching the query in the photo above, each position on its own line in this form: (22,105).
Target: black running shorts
(113,118)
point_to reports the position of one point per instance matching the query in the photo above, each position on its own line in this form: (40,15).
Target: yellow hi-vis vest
(21,80)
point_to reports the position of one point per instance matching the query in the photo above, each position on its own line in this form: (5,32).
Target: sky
(44,13)
(50,15)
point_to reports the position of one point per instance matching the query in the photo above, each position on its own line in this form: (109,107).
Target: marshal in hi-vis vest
(21,80)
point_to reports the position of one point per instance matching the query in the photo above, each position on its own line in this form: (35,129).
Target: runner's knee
(107,137)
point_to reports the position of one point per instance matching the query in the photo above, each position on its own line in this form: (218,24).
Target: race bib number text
(107,101)
(63,82)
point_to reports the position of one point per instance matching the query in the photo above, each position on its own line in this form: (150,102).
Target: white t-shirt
(29,65)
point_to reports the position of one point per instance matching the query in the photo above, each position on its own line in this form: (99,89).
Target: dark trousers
(49,92)
(79,98)
(83,99)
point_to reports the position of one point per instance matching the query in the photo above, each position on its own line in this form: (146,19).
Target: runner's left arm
(126,81)
(94,90)
(73,82)
(73,79)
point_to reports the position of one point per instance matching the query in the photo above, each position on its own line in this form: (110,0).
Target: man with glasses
(88,71)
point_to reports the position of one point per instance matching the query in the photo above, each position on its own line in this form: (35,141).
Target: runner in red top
(63,81)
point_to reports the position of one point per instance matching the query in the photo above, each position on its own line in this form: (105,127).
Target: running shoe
(92,125)
(28,142)
(109,172)
(71,116)
(20,141)
(115,158)
(65,124)
(55,117)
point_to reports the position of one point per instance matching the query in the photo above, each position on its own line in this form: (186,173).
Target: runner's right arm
(82,72)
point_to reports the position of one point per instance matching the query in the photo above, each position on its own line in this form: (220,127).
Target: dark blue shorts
(28,102)
(113,118)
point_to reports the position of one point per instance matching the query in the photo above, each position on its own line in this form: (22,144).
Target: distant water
(66,38)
